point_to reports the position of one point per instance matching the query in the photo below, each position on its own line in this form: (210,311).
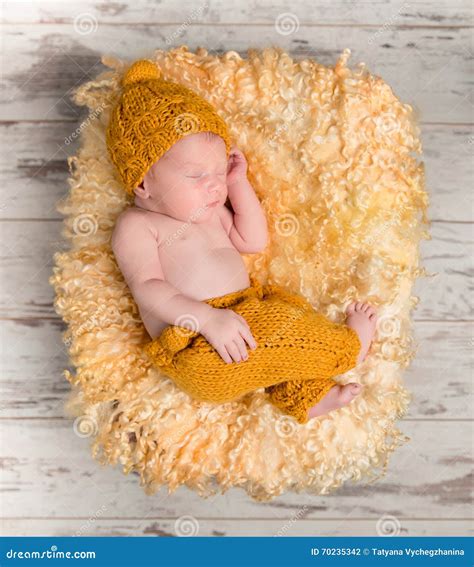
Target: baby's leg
(362,318)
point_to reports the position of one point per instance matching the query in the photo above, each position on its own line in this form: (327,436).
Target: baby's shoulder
(134,220)
(131,213)
(135,215)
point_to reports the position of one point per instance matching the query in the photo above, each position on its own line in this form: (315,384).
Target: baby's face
(187,179)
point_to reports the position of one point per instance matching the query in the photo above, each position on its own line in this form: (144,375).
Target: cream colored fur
(332,157)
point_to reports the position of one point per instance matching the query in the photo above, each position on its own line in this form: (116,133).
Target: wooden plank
(440,376)
(33,385)
(188,525)
(33,167)
(32,382)
(342,12)
(449,171)
(26,260)
(428,477)
(446,295)
(425,68)
(35,160)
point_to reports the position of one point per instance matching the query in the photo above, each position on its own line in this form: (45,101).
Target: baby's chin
(203,213)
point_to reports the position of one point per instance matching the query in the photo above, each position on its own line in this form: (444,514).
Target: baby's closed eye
(198,175)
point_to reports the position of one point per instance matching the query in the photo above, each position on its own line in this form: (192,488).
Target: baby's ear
(139,189)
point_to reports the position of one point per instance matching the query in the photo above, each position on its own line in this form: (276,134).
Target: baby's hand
(226,331)
(236,167)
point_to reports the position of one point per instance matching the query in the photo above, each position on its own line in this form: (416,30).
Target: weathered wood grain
(424,51)
(427,69)
(447,295)
(34,172)
(33,385)
(295,526)
(33,168)
(246,12)
(46,470)
(27,248)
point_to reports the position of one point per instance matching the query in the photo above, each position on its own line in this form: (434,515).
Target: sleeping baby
(217,331)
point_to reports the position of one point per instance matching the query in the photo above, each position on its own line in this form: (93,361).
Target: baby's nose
(214,184)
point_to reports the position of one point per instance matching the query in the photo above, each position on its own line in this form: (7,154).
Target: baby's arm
(136,250)
(249,232)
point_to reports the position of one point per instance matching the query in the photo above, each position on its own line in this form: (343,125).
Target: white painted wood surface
(50,485)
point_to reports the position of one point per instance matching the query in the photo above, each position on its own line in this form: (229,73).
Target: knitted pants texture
(298,352)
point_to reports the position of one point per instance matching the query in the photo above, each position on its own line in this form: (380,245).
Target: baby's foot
(337,397)
(362,317)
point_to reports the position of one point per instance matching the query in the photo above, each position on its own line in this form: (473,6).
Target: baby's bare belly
(207,274)
(200,264)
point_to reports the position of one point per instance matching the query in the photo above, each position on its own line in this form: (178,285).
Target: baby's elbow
(256,246)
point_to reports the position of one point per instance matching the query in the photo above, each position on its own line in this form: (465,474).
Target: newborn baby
(179,249)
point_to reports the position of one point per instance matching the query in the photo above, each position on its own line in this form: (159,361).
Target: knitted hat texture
(151,115)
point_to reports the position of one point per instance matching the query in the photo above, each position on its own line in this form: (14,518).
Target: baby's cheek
(191,203)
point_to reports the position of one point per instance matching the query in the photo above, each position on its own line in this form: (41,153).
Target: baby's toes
(371,312)
(350,308)
(365,306)
(359,305)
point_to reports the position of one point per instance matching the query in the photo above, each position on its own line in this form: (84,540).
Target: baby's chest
(191,243)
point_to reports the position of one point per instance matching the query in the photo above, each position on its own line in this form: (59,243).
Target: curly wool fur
(330,157)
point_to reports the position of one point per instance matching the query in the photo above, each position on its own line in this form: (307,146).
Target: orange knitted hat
(151,115)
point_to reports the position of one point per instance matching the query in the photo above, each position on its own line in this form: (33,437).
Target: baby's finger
(233,350)
(241,346)
(222,351)
(247,335)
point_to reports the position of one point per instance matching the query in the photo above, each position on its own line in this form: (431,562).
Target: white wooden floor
(50,484)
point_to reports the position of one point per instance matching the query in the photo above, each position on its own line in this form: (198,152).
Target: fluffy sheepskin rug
(332,157)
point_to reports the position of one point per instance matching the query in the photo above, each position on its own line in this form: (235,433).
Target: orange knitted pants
(298,352)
